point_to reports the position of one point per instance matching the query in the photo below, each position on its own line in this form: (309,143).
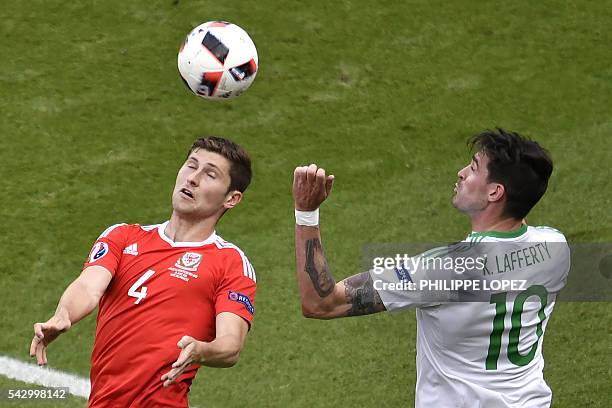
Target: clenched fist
(311,187)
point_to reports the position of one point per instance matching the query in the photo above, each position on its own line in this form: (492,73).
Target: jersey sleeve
(108,248)
(237,287)
(422,280)
(399,289)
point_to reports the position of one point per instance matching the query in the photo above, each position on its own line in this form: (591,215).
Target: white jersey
(489,353)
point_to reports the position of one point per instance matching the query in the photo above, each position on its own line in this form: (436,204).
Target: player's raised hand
(45,333)
(311,187)
(190,354)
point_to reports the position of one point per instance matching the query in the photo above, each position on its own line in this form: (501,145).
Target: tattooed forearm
(362,296)
(317,269)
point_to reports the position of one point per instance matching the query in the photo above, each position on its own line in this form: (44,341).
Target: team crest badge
(189,261)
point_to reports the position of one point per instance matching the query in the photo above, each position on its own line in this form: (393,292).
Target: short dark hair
(240,162)
(521,165)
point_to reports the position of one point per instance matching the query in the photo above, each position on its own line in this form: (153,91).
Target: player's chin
(189,209)
(456,202)
(181,205)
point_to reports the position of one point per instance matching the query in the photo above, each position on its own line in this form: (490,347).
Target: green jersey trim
(500,234)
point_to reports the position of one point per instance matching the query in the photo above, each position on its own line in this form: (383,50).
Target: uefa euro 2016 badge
(98,251)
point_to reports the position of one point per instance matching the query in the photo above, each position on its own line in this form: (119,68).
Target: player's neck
(184,230)
(483,223)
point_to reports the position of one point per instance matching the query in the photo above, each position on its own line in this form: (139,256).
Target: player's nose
(192,179)
(460,173)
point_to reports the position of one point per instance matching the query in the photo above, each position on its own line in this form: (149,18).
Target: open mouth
(187,193)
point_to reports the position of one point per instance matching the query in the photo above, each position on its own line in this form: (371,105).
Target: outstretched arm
(322,297)
(79,299)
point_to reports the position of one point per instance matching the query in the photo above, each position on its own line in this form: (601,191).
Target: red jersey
(160,291)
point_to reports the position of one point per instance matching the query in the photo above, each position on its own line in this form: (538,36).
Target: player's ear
(496,192)
(232,199)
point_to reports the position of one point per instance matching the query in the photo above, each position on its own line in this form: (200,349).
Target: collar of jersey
(162,234)
(500,234)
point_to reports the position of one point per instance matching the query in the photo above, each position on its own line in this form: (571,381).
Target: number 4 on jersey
(142,293)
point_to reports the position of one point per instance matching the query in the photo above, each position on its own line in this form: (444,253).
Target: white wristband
(307,218)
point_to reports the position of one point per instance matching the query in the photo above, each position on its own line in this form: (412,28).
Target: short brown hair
(240,162)
(520,164)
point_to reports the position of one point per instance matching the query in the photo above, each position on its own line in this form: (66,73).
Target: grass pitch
(96,123)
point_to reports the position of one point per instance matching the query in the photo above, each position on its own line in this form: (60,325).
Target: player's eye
(211,175)
(192,166)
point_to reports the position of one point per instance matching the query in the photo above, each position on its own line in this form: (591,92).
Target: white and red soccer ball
(218,60)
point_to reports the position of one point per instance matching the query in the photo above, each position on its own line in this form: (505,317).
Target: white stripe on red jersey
(248,270)
(109,230)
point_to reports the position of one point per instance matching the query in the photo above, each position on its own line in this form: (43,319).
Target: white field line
(47,377)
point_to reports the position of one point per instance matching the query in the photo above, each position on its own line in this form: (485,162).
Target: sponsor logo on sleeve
(403,274)
(240,298)
(99,250)
(131,249)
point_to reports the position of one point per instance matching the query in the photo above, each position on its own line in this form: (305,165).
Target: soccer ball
(218,60)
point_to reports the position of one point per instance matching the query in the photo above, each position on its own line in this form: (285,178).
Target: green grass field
(95,123)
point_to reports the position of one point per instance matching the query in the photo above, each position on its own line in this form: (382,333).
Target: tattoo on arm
(362,296)
(317,269)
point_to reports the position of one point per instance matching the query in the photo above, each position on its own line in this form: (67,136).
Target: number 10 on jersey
(142,293)
(495,340)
